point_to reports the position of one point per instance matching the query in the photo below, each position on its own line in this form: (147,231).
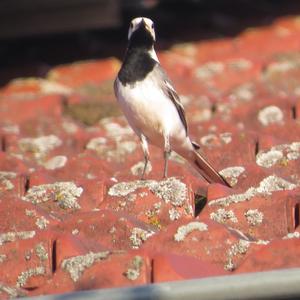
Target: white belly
(150,112)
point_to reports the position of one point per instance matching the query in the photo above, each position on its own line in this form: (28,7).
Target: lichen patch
(185,230)
(267,186)
(41,252)
(56,162)
(134,271)
(254,217)
(76,265)
(12,292)
(209,70)
(24,276)
(270,115)
(292,235)
(40,146)
(13,236)
(232,174)
(5,180)
(223,216)
(42,222)
(65,193)
(3,258)
(139,236)
(278,155)
(170,190)
(240,248)
(174,214)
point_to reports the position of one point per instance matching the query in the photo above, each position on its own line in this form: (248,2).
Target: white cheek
(152,32)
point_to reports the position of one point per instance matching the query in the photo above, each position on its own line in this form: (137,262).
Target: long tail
(206,170)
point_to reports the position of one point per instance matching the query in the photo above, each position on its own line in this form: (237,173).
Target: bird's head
(141,32)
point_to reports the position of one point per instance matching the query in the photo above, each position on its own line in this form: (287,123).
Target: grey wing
(166,85)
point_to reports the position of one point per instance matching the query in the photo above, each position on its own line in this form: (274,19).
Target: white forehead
(134,25)
(138,20)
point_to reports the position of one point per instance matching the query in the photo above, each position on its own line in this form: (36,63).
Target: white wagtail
(151,104)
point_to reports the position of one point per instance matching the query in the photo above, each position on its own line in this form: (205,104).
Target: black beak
(143,23)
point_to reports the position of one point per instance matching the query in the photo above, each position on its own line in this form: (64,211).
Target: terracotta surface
(74,214)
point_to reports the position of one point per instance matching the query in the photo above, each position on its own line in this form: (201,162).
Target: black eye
(152,26)
(131,25)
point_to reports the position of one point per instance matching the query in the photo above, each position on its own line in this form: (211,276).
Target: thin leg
(144,144)
(167,152)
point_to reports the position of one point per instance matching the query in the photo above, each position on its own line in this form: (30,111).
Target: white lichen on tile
(122,189)
(39,146)
(154,211)
(69,127)
(223,216)
(51,86)
(76,265)
(226,137)
(174,214)
(30,213)
(213,139)
(65,193)
(242,93)
(10,128)
(261,242)
(232,174)
(138,168)
(3,258)
(270,115)
(254,217)
(240,64)
(13,236)
(24,276)
(143,194)
(55,162)
(278,154)
(266,187)
(209,70)
(112,230)
(75,231)
(112,152)
(209,139)
(202,116)
(157,206)
(186,51)
(42,222)
(240,248)
(132,274)
(41,252)
(185,230)
(281,66)
(12,292)
(139,236)
(170,190)
(116,130)
(273,183)
(5,180)
(292,235)
(131,197)
(189,210)
(269,158)
(134,271)
(96,143)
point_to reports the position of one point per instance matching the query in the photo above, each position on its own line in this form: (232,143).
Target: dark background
(35,53)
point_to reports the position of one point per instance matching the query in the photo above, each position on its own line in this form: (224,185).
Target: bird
(151,105)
